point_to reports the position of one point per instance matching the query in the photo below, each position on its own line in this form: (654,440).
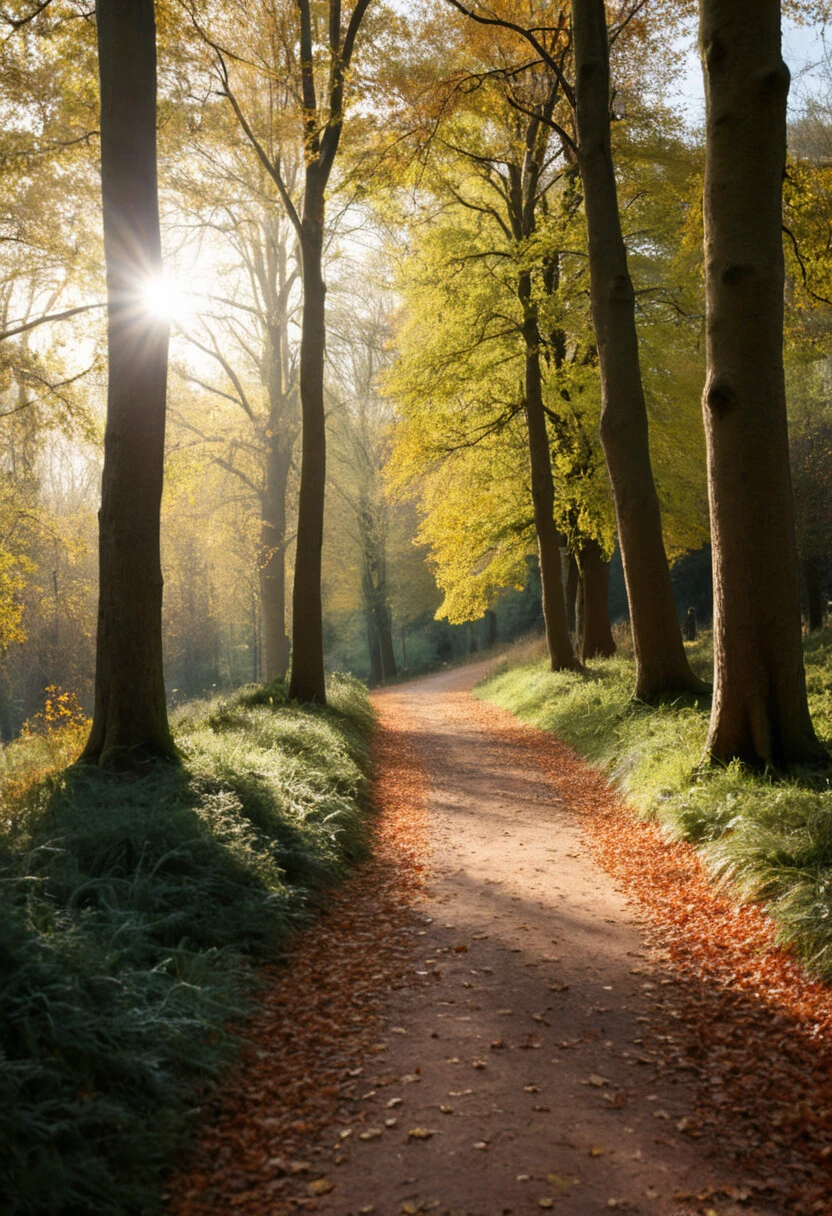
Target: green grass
(770,839)
(132,909)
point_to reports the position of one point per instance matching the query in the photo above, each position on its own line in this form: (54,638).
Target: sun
(165,299)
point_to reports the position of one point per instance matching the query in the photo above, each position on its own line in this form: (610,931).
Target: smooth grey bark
(661,663)
(130,717)
(760,711)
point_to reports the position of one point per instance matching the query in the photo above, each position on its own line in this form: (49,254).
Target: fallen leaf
(481,1144)
(372,1133)
(421,1133)
(557,1180)
(546,1203)
(478,1064)
(597,1081)
(321,1187)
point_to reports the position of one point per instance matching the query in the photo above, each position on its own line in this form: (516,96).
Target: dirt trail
(526,1052)
(484,1025)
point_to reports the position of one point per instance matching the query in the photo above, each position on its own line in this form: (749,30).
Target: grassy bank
(771,838)
(131,909)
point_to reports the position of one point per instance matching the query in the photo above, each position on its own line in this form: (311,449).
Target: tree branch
(50,316)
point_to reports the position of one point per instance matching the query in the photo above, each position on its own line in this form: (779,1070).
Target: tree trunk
(559,644)
(596,638)
(813,580)
(573,582)
(760,712)
(273,564)
(373,648)
(307,681)
(491,621)
(661,662)
(385,639)
(473,648)
(130,717)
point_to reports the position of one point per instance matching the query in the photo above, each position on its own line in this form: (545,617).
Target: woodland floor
(526,1000)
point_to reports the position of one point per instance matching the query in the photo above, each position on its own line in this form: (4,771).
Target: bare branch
(48,317)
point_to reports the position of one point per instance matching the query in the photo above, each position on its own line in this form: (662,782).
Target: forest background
(429,544)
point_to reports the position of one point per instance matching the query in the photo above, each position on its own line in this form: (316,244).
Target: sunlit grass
(771,839)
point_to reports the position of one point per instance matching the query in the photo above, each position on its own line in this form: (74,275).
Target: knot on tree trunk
(774,84)
(737,273)
(720,398)
(714,52)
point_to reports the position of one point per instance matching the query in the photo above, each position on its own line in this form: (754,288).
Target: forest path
(530,1034)
(484,1021)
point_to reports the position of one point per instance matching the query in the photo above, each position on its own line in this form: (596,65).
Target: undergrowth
(131,909)
(770,838)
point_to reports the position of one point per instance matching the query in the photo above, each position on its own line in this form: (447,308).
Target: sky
(803,49)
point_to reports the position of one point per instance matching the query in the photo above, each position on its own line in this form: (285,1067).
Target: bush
(130,910)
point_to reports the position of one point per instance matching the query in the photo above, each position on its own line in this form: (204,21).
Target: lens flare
(165,299)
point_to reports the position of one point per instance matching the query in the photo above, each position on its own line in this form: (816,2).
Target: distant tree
(130,716)
(361,421)
(760,712)
(809,387)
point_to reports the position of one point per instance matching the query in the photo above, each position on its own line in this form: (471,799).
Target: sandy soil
(521,1071)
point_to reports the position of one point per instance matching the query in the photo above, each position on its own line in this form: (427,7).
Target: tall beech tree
(760,712)
(130,717)
(319,64)
(661,662)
